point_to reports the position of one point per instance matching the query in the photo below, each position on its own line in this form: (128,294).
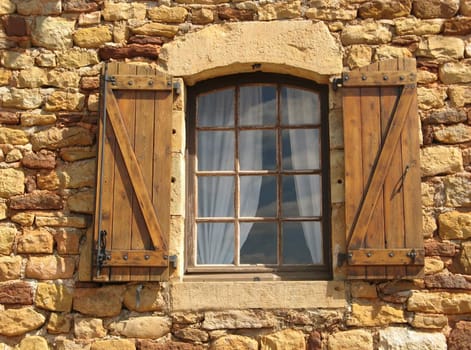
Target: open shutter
(382,173)
(132,214)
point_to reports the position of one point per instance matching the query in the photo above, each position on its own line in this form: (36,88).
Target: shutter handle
(400,183)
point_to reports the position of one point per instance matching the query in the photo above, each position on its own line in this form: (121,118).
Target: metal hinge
(337,83)
(172,259)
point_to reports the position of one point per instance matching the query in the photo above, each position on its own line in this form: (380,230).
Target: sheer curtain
(215,193)
(305,152)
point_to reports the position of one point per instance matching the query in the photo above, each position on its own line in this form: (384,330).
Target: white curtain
(305,153)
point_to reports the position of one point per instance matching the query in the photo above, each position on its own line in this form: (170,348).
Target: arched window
(258,174)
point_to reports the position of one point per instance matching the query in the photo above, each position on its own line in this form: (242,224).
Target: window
(258,165)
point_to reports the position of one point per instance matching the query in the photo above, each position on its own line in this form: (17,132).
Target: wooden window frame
(286,272)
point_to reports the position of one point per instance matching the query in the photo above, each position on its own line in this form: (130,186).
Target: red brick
(15,26)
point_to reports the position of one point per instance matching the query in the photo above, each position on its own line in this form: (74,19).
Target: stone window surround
(303,49)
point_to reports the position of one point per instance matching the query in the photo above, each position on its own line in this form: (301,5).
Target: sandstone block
(99,302)
(13,156)
(354,339)
(23,98)
(459,95)
(35,241)
(3,210)
(33,342)
(455,72)
(61,137)
(63,79)
(387,52)
(92,18)
(150,298)
(238,319)
(455,225)
(12,182)
(37,200)
(49,267)
(439,302)
(76,58)
(71,175)
(15,322)
(122,11)
(146,327)
(46,59)
(369,33)
(230,14)
(33,77)
(405,339)
(202,16)
(39,7)
(7,7)
(331,14)
(121,344)
(39,160)
(13,136)
(146,344)
(457,26)
(93,102)
(156,29)
(89,83)
(456,190)
(460,336)
(430,98)
(434,248)
(429,321)
(62,221)
(287,339)
(167,14)
(79,6)
(447,281)
(433,266)
(82,202)
(367,314)
(465,8)
(65,101)
(67,240)
(435,8)
(5,76)
(440,160)
(278,11)
(10,268)
(230,342)
(456,133)
(53,297)
(7,238)
(32,119)
(16,292)
(59,323)
(429,225)
(92,37)
(385,9)
(86,328)
(54,33)
(129,51)
(441,48)
(426,77)
(193,335)
(447,115)
(463,263)
(363,290)
(8,118)
(16,60)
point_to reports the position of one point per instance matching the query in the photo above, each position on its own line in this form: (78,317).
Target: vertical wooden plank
(371,144)
(410,155)
(123,191)
(353,164)
(393,200)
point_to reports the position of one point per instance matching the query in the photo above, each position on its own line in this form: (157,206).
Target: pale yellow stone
(49,267)
(7,238)
(167,14)
(62,221)
(5,76)
(59,323)
(357,339)
(440,302)
(433,265)
(10,267)
(12,182)
(72,154)
(299,48)
(150,298)
(77,174)
(33,77)
(63,78)
(82,202)
(3,210)
(463,262)
(14,155)
(441,47)
(30,119)
(121,344)
(368,33)
(91,18)
(359,56)
(375,314)
(35,241)
(429,225)
(7,7)
(431,98)
(39,7)
(33,342)
(93,103)
(281,10)
(454,225)
(457,190)
(23,98)
(202,16)
(120,32)
(156,29)
(46,59)
(388,52)
(230,342)
(145,327)
(13,136)
(99,302)
(426,77)
(119,11)
(53,297)
(287,339)
(48,181)
(331,14)
(429,321)
(363,290)
(53,138)
(16,60)
(455,72)
(76,58)
(15,322)
(86,328)
(23,218)
(459,95)
(65,101)
(414,26)
(456,133)
(92,37)
(54,33)
(439,160)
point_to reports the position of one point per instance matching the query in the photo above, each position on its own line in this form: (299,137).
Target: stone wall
(51,53)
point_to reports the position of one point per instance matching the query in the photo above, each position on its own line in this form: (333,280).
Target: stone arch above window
(301,48)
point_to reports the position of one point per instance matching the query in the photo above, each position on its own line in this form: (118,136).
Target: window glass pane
(299,107)
(301,149)
(257,196)
(215,196)
(216,108)
(258,243)
(215,150)
(257,149)
(301,195)
(302,242)
(215,243)
(257,105)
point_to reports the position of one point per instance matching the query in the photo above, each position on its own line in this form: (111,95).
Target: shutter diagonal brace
(134,171)
(373,189)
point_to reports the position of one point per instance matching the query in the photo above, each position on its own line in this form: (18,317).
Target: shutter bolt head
(346,77)
(401,77)
(146,257)
(150,83)
(130,82)
(391,254)
(369,254)
(363,77)
(385,77)
(125,257)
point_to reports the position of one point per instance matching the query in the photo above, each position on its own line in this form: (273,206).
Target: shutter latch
(172,259)
(101,255)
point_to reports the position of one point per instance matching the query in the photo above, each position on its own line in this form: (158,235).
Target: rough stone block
(454,225)
(460,336)
(59,323)
(16,292)
(145,327)
(33,342)
(354,339)
(441,48)
(23,98)
(49,267)
(65,101)
(37,200)
(68,240)
(385,9)
(440,302)
(287,339)
(150,298)
(167,14)
(435,8)
(54,138)
(438,160)
(92,37)
(99,302)
(374,313)
(230,342)
(15,322)
(457,190)
(429,321)
(35,241)
(54,33)
(463,262)
(8,233)
(279,11)
(369,33)
(10,268)
(238,319)
(447,281)
(53,297)
(406,339)
(86,328)
(115,344)
(456,133)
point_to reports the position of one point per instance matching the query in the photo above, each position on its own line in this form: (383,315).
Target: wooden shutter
(382,173)
(132,215)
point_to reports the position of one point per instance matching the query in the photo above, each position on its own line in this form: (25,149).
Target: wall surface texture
(51,55)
